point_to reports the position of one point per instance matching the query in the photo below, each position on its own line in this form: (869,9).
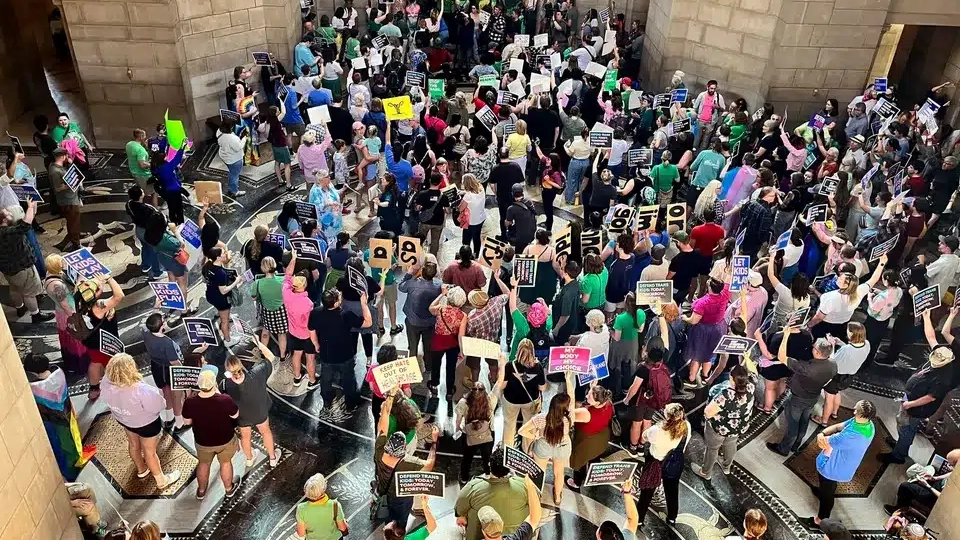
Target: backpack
(660,390)
(672,464)
(541,341)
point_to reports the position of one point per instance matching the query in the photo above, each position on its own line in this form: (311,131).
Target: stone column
(945,517)
(33,500)
(21,65)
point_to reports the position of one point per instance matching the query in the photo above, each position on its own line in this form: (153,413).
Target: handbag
(336,521)
(615,428)
(235,294)
(181,256)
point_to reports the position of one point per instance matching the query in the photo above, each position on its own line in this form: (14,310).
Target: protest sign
(884,247)
(398,108)
(677,215)
(610,80)
(15,143)
(262,58)
(357,280)
(635,99)
(821,279)
(679,126)
(783,241)
(661,101)
(816,214)
(413,483)
(651,292)
(307,248)
(880,84)
(609,473)
(110,344)
(640,157)
(621,220)
(391,374)
(926,300)
(647,217)
(739,241)
(596,70)
(798,318)
(539,84)
(516,64)
(209,190)
(678,96)
(410,250)
(306,211)
(26,191)
(200,331)
(601,139)
(435,87)
(278,239)
(488,80)
(484,17)
(604,15)
(591,241)
(556,61)
(599,370)
(487,117)
(491,251)
(516,88)
(928,111)
(85,264)
(170,295)
(523,465)
(379,42)
(734,345)
(507,98)
(829,185)
(905,276)
(563,242)
(741,272)
(319,115)
(231,116)
(184,377)
(73,178)
(541,40)
(609,42)
(415,78)
(522,40)
(190,233)
(358,63)
(575,359)
(525,270)
(381,252)
(816,121)
(885,109)
(480,348)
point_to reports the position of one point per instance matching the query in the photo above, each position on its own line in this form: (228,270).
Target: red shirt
(917,186)
(707,237)
(599,419)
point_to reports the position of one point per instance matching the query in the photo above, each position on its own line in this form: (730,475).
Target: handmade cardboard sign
(609,473)
(410,484)
(575,359)
(525,270)
(491,251)
(480,348)
(621,220)
(410,250)
(381,253)
(210,190)
(357,280)
(563,242)
(170,295)
(677,215)
(401,371)
(651,292)
(734,345)
(591,241)
(184,377)
(647,217)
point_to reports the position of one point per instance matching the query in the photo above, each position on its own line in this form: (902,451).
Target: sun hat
(490,522)
(941,356)
(478,298)
(537,315)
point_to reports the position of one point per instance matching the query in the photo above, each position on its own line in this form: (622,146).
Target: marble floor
(337,441)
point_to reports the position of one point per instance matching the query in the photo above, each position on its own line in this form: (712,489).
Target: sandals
(557,499)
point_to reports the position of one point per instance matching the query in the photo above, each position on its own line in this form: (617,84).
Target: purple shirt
(134,406)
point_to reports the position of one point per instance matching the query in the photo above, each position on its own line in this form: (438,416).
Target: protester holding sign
(882,300)
(664,438)
(708,326)
(136,406)
(163,353)
(590,438)
(102,316)
(328,325)
(351,291)
(17,263)
(68,200)
(837,307)
(219,287)
(267,292)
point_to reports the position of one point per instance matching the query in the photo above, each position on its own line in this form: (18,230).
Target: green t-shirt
(521,328)
(318,518)
(596,286)
(352,49)
(375,272)
(270,292)
(135,154)
(663,176)
(421,533)
(624,323)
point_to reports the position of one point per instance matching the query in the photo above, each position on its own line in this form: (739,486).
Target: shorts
(25,282)
(161,374)
(219,302)
(611,307)
(544,450)
(390,293)
(298,344)
(640,412)
(704,264)
(297,129)
(98,357)
(148,431)
(838,383)
(224,453)
(171,265)
(281,154)
(145,185)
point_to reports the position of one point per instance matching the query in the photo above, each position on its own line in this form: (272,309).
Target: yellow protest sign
(398,108)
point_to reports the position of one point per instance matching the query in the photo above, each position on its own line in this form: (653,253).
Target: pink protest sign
(575,359)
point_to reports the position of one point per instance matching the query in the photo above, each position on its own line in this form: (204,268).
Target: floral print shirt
(734,413)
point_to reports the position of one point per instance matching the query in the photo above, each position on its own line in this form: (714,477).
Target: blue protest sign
(740,237)
(817,121)
(598,370)
(741,272)
(278,239)
(678,96)
(73,178)
(191,233)
(783,241)
(200,331)
(170,295)
(880,84)
(23,191)
(85,264)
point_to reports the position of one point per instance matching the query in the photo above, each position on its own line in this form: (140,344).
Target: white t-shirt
(476,202)
(785,301)
(655,272)
(837,308)
(597,342)
(792,254)
(660,442)
(850,357)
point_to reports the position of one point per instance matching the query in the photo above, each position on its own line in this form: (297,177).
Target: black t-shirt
(340,124)
(349,293)
(928,381)
(532,379)
(642,373)
(523,532)
(685,268)
(800,345)
(542,123)
(770,144)
(267,249)
(505,175)
(567,303)
(524,223)
(432,198)
(333,328)
(603,194)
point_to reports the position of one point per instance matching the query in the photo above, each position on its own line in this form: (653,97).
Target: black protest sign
(651,292)
(357,280)
(680,126)
(233,116)
(410,484)
(523,465)
(640,157)
(200,331)
(525,270)
(509,129)
(609,473)
(734,345)
(926,300)
(885,109)
(905,277)
(563,243)
(307,248)
(677,215)
(487,117)
(15,142)
(381,253)
(491,251)
(884,247)
(621,220)
(415,78)
(601,139)
(262,58)
(662,101)
(184,377)
(591,241)
(507,98)
(647,217)
(410,250)
(798,318)
(306,210)
(816,214)
(379,42)
(110,344)
(828,186)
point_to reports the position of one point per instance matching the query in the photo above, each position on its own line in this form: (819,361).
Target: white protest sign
(391,374)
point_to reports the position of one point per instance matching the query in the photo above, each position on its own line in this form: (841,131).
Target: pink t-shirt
(712,307)
(298,309)
(706,111)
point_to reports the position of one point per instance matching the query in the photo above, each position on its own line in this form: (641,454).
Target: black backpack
(672,465)
(541,341)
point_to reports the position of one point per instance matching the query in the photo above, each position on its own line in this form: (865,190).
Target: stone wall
(24,39)
(33,500)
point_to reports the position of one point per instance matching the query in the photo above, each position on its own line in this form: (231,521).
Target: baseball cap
(517,189)
(490,522)
(626,81)
(835,530)
(207,380)
(951,242)
(681,236)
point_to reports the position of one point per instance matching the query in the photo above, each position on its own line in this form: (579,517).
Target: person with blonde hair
(319,517)
(710,199)
(298,305)
(523,389)
(447,308)
(519,145)
(754,524)
(597,336)
(837,307)
(57,289)
(849,357)
(663,438)
(145,530)
(268,292)
(136,406)
(475,199)
(248,388)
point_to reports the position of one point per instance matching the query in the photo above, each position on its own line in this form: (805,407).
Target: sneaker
(168,480)
(726,470)
(312,384)
(237,194)
(297,381)
(200,494)
(154,277)
(21,311)
(890,509)
(143,474)
(698,470)
(775,448)
(235,488)
(41,317)
(276,459)
(257,454)
(634,451)
(690,384)
(396,330)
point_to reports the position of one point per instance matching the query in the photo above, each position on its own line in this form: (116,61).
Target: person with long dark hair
(727,417)
(464,272)
(287,219)
(590,439)
(389,209)
(474,418)
(219,286)
(168,182)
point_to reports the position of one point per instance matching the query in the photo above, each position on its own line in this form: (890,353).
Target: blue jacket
(167,173)
(402,170)
(849,446)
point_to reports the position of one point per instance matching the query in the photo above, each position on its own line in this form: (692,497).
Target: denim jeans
(575,172)
(233,176)
(345,375)
(797,412)
(905,436)
(149,260)
(37,254)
